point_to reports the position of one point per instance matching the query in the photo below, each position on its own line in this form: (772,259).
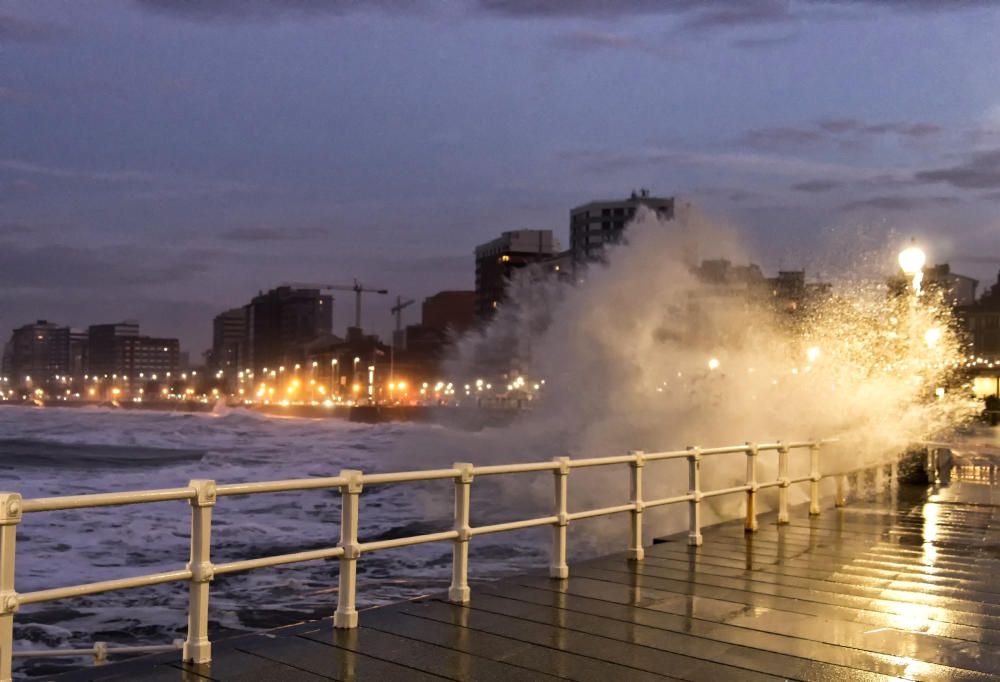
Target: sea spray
(642,353)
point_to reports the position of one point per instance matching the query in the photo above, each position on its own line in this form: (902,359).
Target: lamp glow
(912,260)
(932,336)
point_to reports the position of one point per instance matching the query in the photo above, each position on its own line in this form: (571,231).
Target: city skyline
(267,141)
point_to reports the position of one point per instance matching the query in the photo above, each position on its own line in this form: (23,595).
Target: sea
(72,451)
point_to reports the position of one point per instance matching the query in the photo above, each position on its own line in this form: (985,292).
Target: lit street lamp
(912,260)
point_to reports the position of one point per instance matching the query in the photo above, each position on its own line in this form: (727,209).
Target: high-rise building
(38,353)
(229,338)
(117,349)
(104,348)
(497,260)
(982,320)
(77,353)
(597,223)
(453,311)
(281,324)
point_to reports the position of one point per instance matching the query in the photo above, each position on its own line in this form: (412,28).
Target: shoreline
(473,418)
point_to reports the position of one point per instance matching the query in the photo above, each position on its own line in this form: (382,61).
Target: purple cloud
(596,40)
(981,171)
(816,186)
(19,30)
(272,234)
(248,10)
(898,203)
(846,132)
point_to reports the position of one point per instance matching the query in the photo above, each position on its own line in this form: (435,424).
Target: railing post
(459,589)
(197,647)
(814,479)
(635,549)
(750,523)
(840,499)
(346,615)
(558,568)
(100,653)
(10,516)
(784,483)
(694,490)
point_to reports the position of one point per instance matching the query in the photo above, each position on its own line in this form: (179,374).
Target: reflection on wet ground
(901,583)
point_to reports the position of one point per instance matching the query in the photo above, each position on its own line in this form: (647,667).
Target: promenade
(899,585)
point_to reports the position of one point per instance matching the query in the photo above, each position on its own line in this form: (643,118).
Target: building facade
(118,350)
(982,323)
(453,311)
(229,340)
(282,322)
(596,224)
(498,260)
(37,354)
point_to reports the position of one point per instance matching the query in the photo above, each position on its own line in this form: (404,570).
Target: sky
(164,160)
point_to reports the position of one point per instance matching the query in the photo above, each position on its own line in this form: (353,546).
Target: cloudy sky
(165,159)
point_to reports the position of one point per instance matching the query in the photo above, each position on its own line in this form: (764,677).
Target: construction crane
(397,310)
(357,288)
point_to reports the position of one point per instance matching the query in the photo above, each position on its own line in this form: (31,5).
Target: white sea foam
(53,451)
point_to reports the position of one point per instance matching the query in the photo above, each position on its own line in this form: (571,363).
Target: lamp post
(912,260)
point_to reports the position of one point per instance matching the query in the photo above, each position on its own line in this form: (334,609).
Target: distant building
(982,321)
(721,272)
(229,338)
(77,353)
(118,349)
(38,353)
(955,289)
(453,311)
(281,323)
(105,354)
(598,223)
(497,260)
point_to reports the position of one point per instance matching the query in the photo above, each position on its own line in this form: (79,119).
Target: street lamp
(912,260)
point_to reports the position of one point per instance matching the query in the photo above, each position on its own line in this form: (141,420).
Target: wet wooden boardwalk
(907,587)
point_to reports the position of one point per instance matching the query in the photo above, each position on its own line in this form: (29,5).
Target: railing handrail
(202,496)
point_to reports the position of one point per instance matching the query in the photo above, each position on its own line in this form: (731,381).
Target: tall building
(595,224)
(38,353)
(982,320)
(104,348)
(117,349)
(229,337)
(453,311)
(497,260)
(281,324)
(77,353)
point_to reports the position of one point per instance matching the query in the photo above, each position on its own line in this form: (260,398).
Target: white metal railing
(202,495)
(100,651)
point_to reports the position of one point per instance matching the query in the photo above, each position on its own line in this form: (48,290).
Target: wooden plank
(708,648)
(524,654)
(445,661)
(327,661)
(819,640)
(617,650)
(880,589)
(232,665)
